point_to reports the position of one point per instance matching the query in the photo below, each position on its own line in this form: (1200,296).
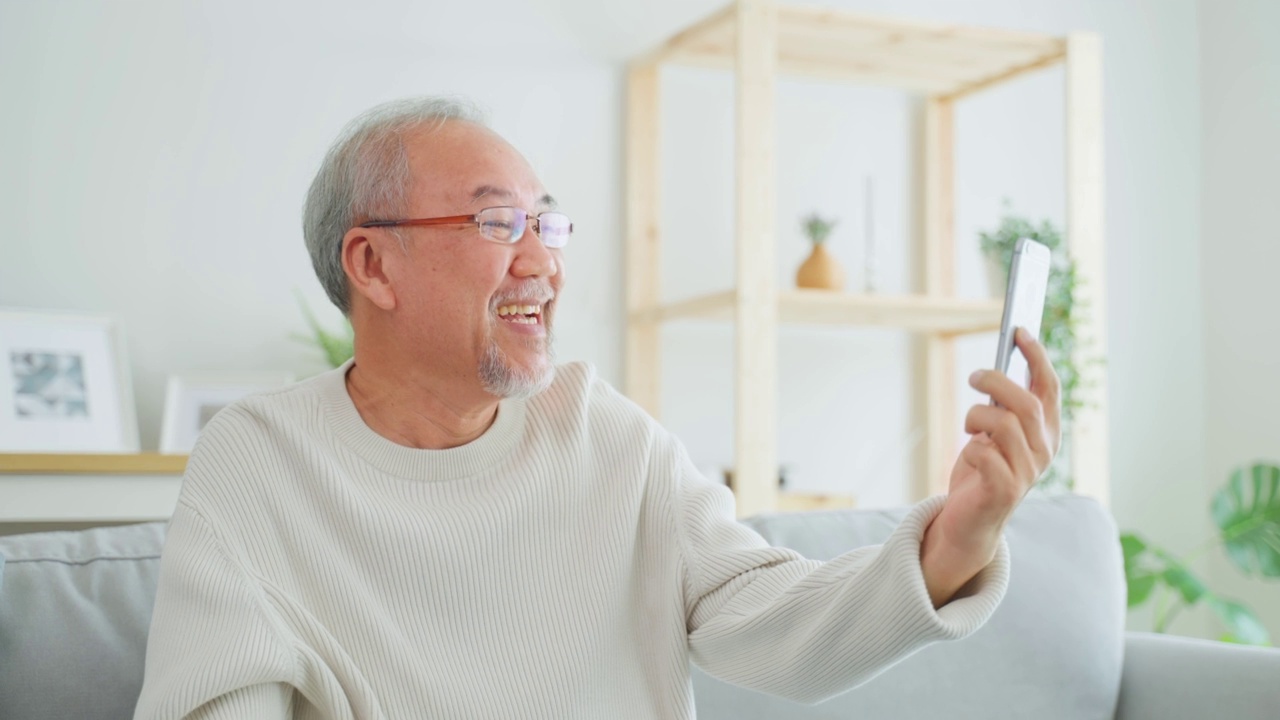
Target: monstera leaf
(1242,625)
(1247,511)
(1180,579)
(1141,578)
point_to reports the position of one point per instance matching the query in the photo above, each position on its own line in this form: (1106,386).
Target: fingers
(1010,439)
(994,468)
(1045,384)
(1021,407)
(1041,419)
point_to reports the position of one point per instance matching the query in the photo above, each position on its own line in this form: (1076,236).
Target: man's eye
(496,225)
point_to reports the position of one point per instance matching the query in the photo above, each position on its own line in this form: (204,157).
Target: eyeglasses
(500,224)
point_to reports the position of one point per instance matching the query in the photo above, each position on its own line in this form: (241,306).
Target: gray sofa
(75,606)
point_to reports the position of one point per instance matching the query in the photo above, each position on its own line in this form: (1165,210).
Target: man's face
(476,308)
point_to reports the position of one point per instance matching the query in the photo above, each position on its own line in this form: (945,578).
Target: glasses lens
(554,228)
(502,224)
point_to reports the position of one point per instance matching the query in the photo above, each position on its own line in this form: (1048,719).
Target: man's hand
(1012,445)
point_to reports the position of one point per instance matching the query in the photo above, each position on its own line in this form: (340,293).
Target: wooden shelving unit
(757,41)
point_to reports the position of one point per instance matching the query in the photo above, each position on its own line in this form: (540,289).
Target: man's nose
(533,259)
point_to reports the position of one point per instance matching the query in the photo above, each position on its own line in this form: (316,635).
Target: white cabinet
(67,489)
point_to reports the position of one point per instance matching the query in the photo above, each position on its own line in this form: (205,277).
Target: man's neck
(416,411)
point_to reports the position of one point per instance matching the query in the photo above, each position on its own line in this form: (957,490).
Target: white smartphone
(1023,307)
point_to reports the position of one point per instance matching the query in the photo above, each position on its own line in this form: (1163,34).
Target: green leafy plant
(1064,314)
(338,347)
(817,228)
(1247,513)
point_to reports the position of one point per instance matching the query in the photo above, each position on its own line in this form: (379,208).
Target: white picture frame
(64,384)
(192,400)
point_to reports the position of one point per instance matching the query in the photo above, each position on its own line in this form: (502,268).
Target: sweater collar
(415,463)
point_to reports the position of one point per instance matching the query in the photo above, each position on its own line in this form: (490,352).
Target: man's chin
(507,377)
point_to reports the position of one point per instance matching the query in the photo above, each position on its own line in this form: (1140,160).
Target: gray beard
(502,379)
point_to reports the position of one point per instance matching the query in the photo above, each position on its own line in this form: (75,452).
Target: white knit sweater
(569,563)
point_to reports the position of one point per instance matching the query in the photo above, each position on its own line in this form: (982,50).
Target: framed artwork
(191,401)
(64,384)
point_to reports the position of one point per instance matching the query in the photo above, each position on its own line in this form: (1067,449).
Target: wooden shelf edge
(691,36)
(711,43)
(806,502)
(948,317)
(816,16)
(92,463)
(919,313)
(712,306)
(1045,61)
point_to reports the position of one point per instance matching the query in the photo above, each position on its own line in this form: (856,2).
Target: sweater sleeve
(214,649)
(768,619)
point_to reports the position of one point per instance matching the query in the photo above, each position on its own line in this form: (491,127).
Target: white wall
(1240,75)
(154,155)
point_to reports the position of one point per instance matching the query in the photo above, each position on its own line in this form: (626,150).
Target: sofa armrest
(1171,678)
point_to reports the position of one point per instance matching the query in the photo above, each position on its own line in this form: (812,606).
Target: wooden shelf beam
(1039,63)
(643,245)
(937,404)
(905,30)
(715,28)
(921,313)
(808,502)
(755,438)
(1086,228)
(936,59)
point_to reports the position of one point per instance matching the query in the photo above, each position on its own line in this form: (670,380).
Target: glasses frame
(532,221)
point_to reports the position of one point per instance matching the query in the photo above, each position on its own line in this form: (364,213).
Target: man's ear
(364,252)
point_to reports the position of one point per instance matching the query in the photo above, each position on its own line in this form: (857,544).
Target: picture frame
(192,400)
(64,384)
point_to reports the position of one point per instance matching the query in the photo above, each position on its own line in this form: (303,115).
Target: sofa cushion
(74,612)
(1053,649)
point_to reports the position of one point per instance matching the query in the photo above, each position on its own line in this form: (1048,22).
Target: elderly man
(450,526)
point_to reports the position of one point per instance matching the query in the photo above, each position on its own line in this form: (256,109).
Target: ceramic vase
(820,271)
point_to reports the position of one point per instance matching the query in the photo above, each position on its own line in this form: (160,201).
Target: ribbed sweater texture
(569,563)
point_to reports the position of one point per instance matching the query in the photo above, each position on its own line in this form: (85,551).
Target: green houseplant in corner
(1247,513)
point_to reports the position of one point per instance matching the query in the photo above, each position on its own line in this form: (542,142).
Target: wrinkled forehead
(462,165)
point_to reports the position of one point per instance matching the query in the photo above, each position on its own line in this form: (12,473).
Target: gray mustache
(539,292)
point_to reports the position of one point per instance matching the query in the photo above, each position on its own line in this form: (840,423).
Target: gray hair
(366,175)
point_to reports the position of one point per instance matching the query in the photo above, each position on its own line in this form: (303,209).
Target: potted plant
(338,347)
(1247,513)
(1063,316)
(820,270)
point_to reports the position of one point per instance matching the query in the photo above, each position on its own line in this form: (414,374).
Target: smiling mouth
(521,314)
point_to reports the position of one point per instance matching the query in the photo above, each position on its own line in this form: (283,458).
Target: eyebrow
(545,200)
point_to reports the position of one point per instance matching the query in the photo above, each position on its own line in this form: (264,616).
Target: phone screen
(1023,307)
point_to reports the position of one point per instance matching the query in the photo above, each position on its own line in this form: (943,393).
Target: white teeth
(520,310)
(520,313)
